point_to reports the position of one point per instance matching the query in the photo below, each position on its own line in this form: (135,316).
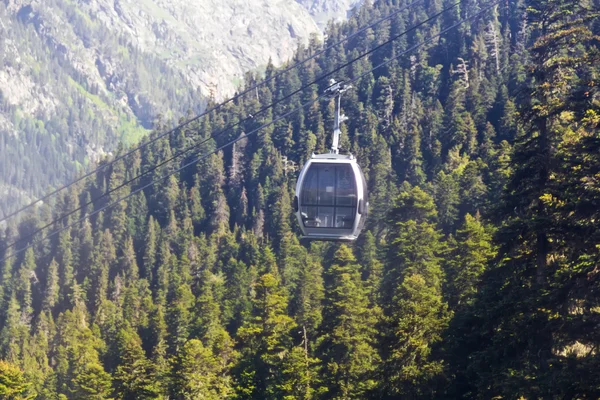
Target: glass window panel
(310,187)
(344,217)
(309,216)
(325,217)
(326,184)
(346,188)
(329,197)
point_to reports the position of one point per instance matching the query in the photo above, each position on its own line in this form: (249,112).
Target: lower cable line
(255,131)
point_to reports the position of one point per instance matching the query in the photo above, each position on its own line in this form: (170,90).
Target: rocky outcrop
(324,10)
(213,42)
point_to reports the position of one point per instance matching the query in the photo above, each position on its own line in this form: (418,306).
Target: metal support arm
(335,91)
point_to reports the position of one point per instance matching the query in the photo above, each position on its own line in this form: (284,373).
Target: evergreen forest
(476,277)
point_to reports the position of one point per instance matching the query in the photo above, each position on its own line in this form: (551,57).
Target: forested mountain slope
(477,277)
(70,91)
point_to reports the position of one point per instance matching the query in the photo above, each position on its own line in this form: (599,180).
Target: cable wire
(224,130)
(203,157)
(212,109)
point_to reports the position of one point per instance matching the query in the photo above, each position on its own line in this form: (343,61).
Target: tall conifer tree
(347,343)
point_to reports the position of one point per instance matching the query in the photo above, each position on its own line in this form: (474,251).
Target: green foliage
(79,372)
(347,342)
(90,382)
(418,320)
(476,275)
(264,341)
(415,314)
(527,323)
(197,374)
(135,376)
(468,256)
(13,384)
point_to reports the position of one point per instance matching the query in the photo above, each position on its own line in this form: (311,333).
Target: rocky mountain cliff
(325,10)
(79,76)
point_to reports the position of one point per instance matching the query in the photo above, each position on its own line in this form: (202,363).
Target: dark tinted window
(328,198)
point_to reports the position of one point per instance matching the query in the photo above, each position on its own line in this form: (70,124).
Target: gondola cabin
(331,198)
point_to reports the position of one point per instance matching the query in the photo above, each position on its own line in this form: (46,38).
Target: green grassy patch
(131,132)
(97,100)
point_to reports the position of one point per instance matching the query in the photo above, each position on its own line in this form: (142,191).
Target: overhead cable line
(203,157)
(214,108)
(224,130)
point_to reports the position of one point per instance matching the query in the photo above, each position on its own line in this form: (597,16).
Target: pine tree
(135,376)
(137,213)
(104,257)
(85,255)
(15,331)
(459,122)
(473,190)
(36,363)
(217,210)
(522,334)
(207,314)
(381,186)
(280,215)
(79,373)
(301,376)
(52,287)
(347,343)
(447,199)
(180,302)
(307,293)
(23,285)
(418,320)
(415,314)
(236,299)
(413,159)
(372,267)
(158,344)
(196,208)
(13,385)
(264,341)
(90,382)
(150,250)
(117,216)
(467,259)
(197,374)
(208,327)
(65,261)
(128,267)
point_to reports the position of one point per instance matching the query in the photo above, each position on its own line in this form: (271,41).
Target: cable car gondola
(331,193)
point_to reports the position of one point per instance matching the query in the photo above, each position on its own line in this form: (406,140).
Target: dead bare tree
(492,41)
(289,165)
(462,69)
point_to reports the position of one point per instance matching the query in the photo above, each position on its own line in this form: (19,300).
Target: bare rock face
(214,42)
(325,10)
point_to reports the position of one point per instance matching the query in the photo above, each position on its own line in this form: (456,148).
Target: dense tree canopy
(476,275)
